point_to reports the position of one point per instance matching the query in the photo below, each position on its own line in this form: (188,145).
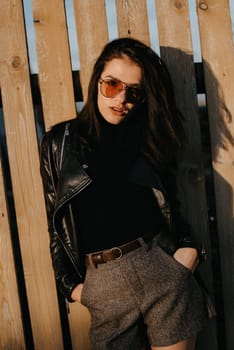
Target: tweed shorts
(146,297)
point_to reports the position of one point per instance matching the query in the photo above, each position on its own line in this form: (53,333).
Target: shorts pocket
(175,263)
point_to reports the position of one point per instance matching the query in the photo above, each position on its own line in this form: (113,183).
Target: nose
(121,96)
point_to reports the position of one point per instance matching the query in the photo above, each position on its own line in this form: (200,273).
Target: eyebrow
(136,85)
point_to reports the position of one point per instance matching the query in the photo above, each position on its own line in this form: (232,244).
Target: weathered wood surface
(132,19)
(26,182)
(176,50)
(218,54)
(79,320)
(58,104)
(54,61)
(92,36)
(11,330)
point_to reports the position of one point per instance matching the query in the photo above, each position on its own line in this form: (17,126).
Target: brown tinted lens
(111,88)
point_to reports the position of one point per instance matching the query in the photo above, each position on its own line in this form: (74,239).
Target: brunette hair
(163,131)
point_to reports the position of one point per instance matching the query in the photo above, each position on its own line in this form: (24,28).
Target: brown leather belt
(116,253)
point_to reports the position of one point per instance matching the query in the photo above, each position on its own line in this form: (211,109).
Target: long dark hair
(162,131)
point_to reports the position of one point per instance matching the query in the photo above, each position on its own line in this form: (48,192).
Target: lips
(119,110)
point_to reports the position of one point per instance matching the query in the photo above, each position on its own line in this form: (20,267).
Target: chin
(115,120)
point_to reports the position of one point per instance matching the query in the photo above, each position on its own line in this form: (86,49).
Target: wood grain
(218,59)
(11,330)
(26,181)
(58,104)
(79,319)
(53,57)
(133,19)
(176,50)
(92,34)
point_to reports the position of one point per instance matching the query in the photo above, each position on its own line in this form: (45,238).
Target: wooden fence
(33,314)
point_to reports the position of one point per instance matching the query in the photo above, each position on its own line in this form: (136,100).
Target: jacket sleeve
(66,277)
(181,229)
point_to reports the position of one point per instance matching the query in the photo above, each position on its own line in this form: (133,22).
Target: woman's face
(118,71)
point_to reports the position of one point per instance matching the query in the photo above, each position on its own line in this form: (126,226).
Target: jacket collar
(72,178)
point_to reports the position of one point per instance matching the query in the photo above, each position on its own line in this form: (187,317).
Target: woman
(118,243)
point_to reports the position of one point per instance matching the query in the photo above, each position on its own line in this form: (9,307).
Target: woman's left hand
(187,257)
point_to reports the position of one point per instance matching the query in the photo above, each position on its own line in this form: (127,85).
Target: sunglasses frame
(125,87)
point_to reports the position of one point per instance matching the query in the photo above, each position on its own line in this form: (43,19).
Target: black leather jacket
(63,174)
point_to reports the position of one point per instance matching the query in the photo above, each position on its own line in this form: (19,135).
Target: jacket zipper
(66,248)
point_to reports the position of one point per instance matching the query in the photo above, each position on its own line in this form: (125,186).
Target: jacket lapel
(72,178)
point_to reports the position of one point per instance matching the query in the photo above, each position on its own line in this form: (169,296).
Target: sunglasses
(111,87)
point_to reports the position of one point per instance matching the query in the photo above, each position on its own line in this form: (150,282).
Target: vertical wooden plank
(132,19)
(11,330)
(91,24)
(218,58)
(55,75)
(26,182)
(173,15)
(79,320)
(176,51)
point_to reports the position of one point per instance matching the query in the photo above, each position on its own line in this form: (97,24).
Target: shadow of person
(205,185)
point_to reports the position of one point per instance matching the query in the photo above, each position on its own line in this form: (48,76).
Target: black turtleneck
(111,210)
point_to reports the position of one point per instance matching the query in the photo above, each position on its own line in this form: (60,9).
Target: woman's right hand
(76,293)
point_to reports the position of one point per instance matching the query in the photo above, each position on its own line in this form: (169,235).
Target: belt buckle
(118,250)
